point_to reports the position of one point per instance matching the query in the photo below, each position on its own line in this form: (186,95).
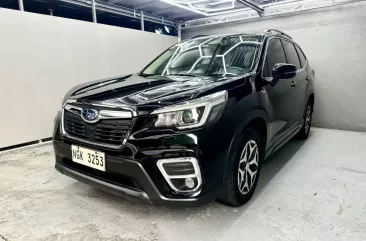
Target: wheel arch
(256,119)
(311,100)
(259,124)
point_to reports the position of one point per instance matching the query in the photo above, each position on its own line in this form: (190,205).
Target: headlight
(194,113)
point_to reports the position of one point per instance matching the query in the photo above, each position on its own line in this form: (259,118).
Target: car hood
(153,91)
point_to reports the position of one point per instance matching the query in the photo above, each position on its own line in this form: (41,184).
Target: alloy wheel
(248,167)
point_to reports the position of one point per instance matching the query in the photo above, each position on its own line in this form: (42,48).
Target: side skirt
(290,133)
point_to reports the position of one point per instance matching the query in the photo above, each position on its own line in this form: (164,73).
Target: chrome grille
(106,132)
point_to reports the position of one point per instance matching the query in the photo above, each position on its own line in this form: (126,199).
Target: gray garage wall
(334,40)
(41,57)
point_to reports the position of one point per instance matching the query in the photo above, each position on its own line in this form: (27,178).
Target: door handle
(307,78)
(293,84)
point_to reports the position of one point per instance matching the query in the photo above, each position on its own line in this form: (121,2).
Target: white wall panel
(41,57)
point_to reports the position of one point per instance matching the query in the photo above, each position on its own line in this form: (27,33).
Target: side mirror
(283,71)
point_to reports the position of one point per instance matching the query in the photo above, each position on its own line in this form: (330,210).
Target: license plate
(88,157)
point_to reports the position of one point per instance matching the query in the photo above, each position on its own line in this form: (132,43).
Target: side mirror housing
(283,71)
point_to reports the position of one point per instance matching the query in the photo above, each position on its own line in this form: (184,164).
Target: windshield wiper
(191,75)
(147,75)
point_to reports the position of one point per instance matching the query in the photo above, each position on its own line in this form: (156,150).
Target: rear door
(298,83)
(280,95)
(306,70)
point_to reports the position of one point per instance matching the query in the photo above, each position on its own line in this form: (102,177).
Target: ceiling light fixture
(167,29)
(203,7)
(184,7)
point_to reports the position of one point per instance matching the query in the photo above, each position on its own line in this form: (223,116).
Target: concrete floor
(313,190)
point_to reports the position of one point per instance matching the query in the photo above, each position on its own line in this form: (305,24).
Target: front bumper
(127,193)
(123,177)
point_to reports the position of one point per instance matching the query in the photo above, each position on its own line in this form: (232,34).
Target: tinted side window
(275,55)
(292,57)
(301,56)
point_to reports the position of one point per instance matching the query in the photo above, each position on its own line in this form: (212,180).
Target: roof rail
(270,30)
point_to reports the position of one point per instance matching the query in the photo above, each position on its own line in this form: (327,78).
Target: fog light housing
(189,182)
(182,174)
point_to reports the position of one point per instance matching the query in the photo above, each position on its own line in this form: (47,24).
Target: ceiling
(162,8)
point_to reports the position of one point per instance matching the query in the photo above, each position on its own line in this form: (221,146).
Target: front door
(299,83)
(281,105)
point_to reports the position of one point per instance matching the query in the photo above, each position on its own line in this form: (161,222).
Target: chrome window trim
(106,114)
(196,174)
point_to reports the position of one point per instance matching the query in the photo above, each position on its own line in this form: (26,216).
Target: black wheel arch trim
(253,114)
(307,102)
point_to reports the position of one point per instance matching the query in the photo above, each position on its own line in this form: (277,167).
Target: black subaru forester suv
(191,127)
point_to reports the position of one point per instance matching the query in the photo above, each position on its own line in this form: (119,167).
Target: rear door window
(292,57)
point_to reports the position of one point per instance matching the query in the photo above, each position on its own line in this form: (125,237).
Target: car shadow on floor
(273,164)
(218,213)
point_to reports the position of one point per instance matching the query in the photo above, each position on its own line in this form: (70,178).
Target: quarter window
(275,55)
(292,57)
(301,56)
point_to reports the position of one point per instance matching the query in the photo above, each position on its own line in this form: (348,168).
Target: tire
(237,190)
(305,129)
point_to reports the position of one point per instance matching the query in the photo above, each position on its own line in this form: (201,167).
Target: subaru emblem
(89,114)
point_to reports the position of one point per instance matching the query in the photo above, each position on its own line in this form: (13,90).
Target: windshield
(213,56)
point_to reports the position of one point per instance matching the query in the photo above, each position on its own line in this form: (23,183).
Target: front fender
(235,141)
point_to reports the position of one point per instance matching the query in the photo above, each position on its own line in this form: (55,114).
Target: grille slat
(119,125)
(99,140)
(96,135)
(111,132)
(101,131)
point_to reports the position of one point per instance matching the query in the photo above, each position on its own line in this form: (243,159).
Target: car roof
(266,33)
